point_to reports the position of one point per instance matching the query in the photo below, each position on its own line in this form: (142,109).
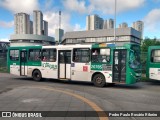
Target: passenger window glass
(101,55)
(34,55)
(81,55)
(68,57)
(49,55)
(14,55)
(155,56)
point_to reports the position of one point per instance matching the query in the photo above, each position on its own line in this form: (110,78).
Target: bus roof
(68,46)
(95,45)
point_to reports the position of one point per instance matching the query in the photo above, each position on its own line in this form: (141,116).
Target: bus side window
(34,55)
(155,56)
(81,55)
(152,56)
(14,55)
(95,52)
(49,55)
(101,55)
(52,55)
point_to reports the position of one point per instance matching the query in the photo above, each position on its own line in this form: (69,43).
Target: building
(22,23)
(29,33)
(37,22)
(30,39)
(108,24)
(123,35)
(139,26)
(58,35)
(94,22)
(123,25)
(31,27)
(45,28)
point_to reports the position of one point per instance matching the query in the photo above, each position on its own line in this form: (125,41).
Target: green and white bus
(153,63)
(98,63)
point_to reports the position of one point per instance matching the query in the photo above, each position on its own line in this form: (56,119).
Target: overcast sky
(74,13)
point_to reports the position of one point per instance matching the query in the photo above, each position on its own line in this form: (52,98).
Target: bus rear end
(153,63)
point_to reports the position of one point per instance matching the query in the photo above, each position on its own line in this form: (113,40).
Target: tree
(149,42)
(144,48)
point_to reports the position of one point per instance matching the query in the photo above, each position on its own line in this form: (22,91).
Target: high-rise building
(58,35)
(45,28)
(29,33)
(94,22)
(22,23)
(139,26)
(37,22)
(123,25)
(108,24)
(31,27)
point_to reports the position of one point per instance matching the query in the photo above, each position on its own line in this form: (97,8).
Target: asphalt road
(142,96)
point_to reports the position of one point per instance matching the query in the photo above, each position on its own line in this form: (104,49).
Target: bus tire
(37,75)
(99,80)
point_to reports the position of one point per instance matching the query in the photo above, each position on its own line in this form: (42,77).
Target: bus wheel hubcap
(99,80)
(37,75)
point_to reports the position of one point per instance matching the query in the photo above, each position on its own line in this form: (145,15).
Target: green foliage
(144,49)
(149,42)
(3,70)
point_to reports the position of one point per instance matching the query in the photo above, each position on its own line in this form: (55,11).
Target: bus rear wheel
(99,80)
(37,75)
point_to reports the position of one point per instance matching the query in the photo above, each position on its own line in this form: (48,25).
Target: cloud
(48,5)
(152,20)
(4,24)
(53,22)
(77,27)
(4,39)
(108,6)
(77,6)
(103,6)
(16,6)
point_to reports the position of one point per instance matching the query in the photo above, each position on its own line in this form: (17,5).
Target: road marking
(90,103)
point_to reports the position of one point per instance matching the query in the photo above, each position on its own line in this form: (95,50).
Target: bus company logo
(85,68)
(49,66)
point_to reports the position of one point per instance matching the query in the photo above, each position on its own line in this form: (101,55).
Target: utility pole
(115,10)
(59,19)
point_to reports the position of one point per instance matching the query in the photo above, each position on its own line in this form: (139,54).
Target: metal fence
(143,61)
(3,62)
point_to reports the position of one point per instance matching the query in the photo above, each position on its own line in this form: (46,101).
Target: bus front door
(64,64)
(23,61)
(119,65)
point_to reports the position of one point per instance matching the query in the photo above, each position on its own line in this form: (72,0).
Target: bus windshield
(134,57)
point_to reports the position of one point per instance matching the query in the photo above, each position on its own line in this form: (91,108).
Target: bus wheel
(99,80)
(37,75)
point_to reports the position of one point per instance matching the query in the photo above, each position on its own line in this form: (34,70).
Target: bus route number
(96,67)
